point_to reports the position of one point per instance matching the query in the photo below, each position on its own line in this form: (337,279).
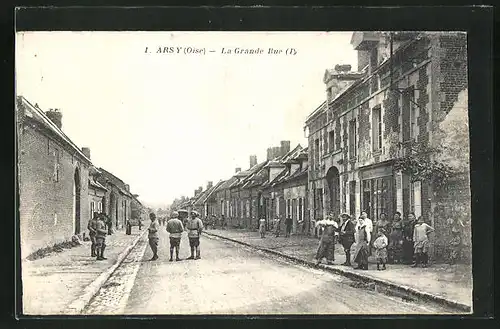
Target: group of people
(396,242)
(99,226)
(175,227)
(277,226)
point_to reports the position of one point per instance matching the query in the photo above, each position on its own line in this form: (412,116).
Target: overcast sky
(168,123)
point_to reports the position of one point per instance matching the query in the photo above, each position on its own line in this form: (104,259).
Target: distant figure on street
(128,227)
(92,227)
(222,222)
(140,224)
(288,226)
(362,238)
(262,227)
(346,236)
(326,248)
(100,238)
(175,229)
(380,245)
(277,224)
(153,235)
(421,242)
(195,227)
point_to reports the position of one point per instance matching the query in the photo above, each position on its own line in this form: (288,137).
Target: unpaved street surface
(231,279)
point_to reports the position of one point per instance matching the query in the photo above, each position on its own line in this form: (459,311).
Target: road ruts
(231,279)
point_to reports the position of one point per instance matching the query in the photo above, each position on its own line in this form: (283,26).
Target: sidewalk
(449,282)
(50,284)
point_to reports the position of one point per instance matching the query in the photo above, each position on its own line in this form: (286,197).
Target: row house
(381,123)
(118,199)
(59,187)
(273,189)
(207,203)
(53,178)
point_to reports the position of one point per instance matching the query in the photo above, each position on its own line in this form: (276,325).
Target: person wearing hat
(346,236)
(153,235)
(194,227)
(326,248)
(92,227)
(175,229)
(100,238)
(380,245)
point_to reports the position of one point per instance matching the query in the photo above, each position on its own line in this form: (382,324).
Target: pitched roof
(38,115)
(208,193)
(93,182)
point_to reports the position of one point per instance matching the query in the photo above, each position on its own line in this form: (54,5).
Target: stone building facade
(386,112)
(53,180)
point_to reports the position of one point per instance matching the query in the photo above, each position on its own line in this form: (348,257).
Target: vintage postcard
(236,173)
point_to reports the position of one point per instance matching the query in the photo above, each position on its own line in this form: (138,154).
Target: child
(421,242)
(380,245)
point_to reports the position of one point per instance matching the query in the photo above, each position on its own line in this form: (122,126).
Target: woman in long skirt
(362,236)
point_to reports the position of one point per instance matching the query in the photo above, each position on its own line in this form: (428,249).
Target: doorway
(333,181)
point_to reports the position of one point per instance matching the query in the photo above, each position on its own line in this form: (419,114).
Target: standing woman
(408,228)
(362,237)
(395,249)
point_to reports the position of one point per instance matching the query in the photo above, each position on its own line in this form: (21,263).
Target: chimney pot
(55,116)
(86,151)
(253,160)
(237,170)
(210,184)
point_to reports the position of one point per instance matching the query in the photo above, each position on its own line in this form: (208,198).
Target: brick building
(118,199)
(97,192)
(387,112)
(53,180)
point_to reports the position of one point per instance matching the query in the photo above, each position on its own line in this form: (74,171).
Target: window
(316,153)
(56,165)
(408,115)
(92,208)
(377,197)
(248,208)
(352,139)
(331,140)
(377,128)
(99,206)
(301,208)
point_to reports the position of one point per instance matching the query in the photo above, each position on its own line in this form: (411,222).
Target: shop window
(377,128)
(377,197)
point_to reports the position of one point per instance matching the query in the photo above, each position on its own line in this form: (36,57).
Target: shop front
(378,190)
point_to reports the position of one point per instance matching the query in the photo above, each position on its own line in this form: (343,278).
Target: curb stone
(77,305)
(359,277)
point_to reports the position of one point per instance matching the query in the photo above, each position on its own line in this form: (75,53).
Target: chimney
(237,170)
(363,59)
(269,154)
(285,147)
(86,151)
(127,187)
(253,160)
(55,116)
(210,184)
(276,151)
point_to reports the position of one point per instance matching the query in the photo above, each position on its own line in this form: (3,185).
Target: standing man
(100,237)
(369,226)
(277,224)
(346,236)
(288,225)
(153,235)
(175,229)
(92,227)
(195,227)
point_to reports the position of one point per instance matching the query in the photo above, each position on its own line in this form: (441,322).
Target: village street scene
(331,177)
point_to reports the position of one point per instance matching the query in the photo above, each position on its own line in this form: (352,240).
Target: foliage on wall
(450,158)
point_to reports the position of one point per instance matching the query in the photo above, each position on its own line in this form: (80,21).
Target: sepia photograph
(236,173)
